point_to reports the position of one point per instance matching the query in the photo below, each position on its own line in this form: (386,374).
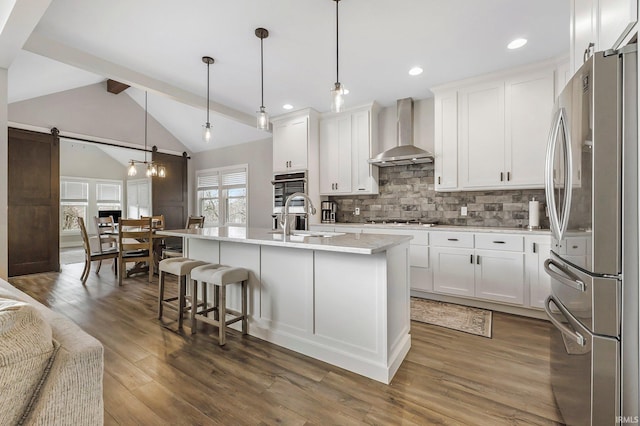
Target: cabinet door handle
(533,247)
(471,259)
(498,242)
(439,181)
(501,176)
(508,176)
(336,185)
(477,260)
(452,239)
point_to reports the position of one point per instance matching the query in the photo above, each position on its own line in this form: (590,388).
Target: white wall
(4,163)
(94,112)
(259,156)
(423,125)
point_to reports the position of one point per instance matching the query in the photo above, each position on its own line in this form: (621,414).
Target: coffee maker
(328,210)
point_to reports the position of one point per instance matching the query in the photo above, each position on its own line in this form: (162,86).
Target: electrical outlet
(463,211)
(357,211)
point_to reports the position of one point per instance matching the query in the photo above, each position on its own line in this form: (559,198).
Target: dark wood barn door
(34,202)
(170,194)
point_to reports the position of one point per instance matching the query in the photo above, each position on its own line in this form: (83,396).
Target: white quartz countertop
(337,242)
(441,228)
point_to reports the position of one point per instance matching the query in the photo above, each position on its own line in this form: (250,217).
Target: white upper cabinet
(347,141)
(491,131)
(335,155)
(528,109)
(446,140)
(482,135)
(294,140)
(603,23)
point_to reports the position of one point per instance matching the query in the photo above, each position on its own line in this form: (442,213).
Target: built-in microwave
(284,185)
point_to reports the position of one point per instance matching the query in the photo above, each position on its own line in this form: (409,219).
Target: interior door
(34,202)
(170,194)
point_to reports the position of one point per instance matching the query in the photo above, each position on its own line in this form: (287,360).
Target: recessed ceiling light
(415,71)
(287,106)
(517,43)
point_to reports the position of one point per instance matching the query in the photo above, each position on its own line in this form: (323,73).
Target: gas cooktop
(391,221)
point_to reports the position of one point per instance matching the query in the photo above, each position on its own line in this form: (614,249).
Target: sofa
(51,371)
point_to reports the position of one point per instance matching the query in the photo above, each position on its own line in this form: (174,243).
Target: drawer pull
(452,239)
(498,242)
(575,247)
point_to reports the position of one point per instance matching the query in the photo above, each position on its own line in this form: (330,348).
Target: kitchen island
(338,297)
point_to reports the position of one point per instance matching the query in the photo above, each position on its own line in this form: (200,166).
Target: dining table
(142,267)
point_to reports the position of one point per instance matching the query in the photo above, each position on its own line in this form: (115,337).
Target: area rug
(456,317)
(71,255)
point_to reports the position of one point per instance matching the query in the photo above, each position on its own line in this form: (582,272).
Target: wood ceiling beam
(116,87)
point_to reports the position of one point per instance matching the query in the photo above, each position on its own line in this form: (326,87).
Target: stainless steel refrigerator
(591,188)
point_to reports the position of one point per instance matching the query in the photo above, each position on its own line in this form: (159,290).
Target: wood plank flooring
(156,375)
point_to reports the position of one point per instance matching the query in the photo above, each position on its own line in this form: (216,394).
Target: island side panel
(398,306)
(286,295)
(200,249)
(350,298)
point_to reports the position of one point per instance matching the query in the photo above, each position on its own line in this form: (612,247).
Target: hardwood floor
(157,375)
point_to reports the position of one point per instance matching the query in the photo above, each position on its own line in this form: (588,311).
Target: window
(222,195)
(74,200)
(84,197)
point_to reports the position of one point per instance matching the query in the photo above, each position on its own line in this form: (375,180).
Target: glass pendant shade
(206,132)
(337,98)
(132,171)
(262,119)
(162,172)
(149,170)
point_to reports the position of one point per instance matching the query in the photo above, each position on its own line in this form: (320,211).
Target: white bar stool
(220,276)
(180,267)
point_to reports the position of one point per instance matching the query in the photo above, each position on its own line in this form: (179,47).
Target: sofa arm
(72,392)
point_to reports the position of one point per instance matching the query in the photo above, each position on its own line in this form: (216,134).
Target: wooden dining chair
(135,240)
(90,256)
(107,235)
(193,222)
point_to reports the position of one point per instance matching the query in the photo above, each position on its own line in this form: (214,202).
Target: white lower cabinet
(499,276)
(484,266)
(453,271)
(536,252)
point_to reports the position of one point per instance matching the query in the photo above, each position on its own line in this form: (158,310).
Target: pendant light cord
(261,73)
(208,76)
(337,45)
(145,126)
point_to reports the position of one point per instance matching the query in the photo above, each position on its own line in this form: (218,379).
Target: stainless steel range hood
(405,152)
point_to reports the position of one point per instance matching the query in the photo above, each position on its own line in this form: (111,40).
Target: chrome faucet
(310,209)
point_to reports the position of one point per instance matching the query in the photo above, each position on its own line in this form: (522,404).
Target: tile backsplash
(407,192)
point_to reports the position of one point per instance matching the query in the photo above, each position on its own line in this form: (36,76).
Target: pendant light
(337,93)
(152,169)
(262,116)
(206,129)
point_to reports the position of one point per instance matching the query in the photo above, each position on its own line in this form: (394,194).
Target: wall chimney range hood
(405,152)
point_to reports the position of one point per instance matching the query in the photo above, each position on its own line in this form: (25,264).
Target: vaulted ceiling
(157,46)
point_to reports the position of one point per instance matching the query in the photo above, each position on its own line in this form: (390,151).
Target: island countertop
(336,241)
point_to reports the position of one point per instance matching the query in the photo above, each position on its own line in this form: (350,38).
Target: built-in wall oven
(284,185)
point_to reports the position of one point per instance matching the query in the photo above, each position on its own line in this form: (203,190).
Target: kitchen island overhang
(342,299)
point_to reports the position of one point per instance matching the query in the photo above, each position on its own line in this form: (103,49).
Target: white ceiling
(379,41)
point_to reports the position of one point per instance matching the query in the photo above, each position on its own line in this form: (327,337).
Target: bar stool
(180,267)
(220,276)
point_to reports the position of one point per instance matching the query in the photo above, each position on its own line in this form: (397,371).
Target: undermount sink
(323,234)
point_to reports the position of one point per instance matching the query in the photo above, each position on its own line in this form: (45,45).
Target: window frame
(91,203)
(223,196)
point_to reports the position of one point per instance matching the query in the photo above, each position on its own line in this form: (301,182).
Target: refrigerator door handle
(558,224)
(568,278)
(573,335)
